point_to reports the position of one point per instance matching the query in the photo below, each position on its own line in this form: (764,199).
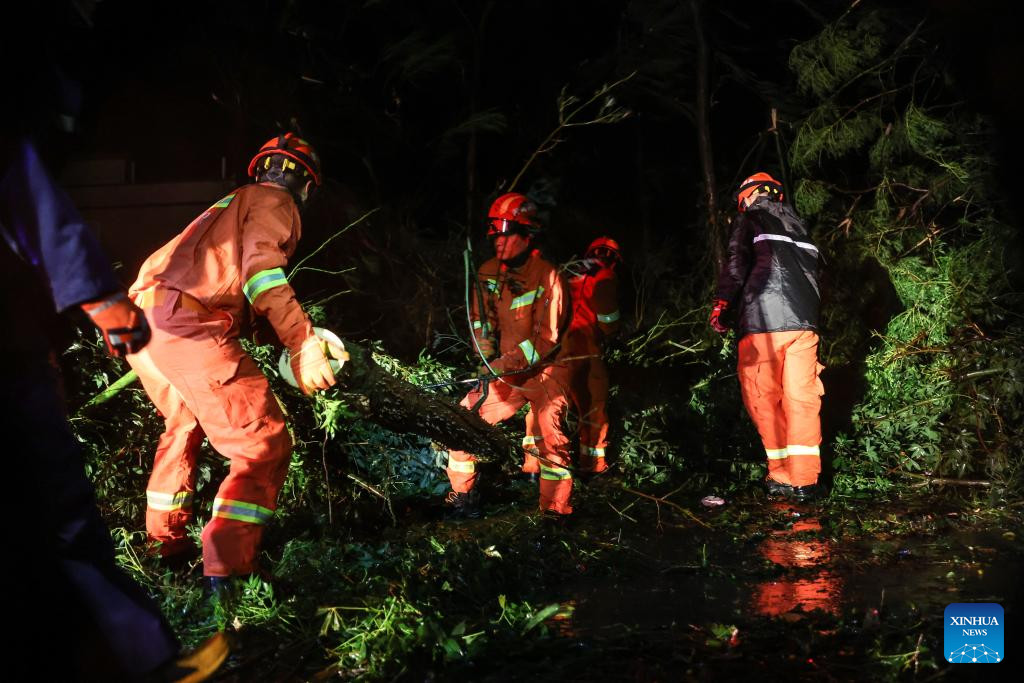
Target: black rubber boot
(218,587)
(462,505)
(776,489)
(807,494)
(555,521)
(182,560)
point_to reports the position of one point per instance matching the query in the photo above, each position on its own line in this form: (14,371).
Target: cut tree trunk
(385,400)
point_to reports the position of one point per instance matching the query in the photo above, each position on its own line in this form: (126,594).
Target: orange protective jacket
(595,311)
(527,308)
(235,253)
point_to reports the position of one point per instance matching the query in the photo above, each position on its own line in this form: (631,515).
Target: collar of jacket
(780,210)
(762,203)
(515,264)
(296,197)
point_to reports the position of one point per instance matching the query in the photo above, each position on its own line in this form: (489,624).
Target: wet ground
(654,586)
(845,591)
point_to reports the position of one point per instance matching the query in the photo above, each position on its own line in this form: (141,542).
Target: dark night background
(423,112)
(388,93)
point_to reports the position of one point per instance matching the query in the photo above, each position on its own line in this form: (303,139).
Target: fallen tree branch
(381,398)
(622,514)
(669,503)
(926,480)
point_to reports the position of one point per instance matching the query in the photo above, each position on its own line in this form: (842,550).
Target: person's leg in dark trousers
(76,593)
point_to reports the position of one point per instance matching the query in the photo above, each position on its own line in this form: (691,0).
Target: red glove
(122,323)
(716,314)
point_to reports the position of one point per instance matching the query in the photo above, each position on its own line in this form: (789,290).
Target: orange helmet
(512,212)
(604,249)
(294,149)
(759,182)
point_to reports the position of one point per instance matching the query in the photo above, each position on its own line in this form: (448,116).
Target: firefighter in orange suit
(595,318)
(525,307)
(771,279)
(198,291)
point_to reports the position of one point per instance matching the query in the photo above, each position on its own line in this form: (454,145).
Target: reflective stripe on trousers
(782,390)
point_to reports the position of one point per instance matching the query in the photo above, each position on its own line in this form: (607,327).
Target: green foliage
(811,197)
(900,173)
(381,607)
(114,464)
(925,133)
(645,454)
(252,603)
(837,54)
(400,464)
(829,134)
(426,369)
(682,415)
(374,635)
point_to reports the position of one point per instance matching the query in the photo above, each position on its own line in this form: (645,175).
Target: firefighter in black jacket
(771,279)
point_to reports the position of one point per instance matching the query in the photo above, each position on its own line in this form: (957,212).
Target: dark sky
(384,90)
(381,111)
(381,88)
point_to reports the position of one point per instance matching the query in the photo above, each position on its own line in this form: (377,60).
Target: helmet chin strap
(279,177)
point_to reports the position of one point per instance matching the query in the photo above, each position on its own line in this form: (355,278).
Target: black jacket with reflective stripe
(771,276)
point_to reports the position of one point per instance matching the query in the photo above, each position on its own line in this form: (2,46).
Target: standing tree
(895,171)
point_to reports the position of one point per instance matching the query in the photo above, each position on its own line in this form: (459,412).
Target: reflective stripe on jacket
(526,308)
(771,275)
(595,303)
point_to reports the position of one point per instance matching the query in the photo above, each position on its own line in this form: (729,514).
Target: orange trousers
(588,386)
(205,385)
(779,379)
(546,395)
(531,444)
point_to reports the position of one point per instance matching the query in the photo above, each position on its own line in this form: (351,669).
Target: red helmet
(510,212)
(295,149)
(759,182)
(604,249)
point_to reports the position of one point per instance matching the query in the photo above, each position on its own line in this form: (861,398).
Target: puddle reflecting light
(562,622)
(785,596)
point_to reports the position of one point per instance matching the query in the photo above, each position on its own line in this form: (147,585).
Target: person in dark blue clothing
(86,620)
(70,613)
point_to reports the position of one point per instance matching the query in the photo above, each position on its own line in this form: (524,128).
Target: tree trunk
(383,399)
(474,91)
(774,116)
(702,108)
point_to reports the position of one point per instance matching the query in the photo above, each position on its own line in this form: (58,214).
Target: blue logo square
(973,633)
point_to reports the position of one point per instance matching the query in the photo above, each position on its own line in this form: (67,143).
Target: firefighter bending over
(525,305)
(197,291)
(595,318)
